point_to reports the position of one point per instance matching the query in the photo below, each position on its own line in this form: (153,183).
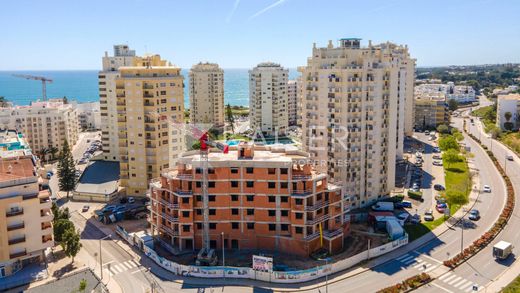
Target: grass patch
(512,140)
(487,115)
(513,287)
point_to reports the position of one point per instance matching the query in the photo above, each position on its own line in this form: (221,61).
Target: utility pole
(100,255)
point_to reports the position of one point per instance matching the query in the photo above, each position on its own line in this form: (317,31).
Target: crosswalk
(461,284)
(412,260)
(117,268)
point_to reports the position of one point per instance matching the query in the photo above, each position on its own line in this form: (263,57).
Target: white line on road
(118,268)
(454,280)
(132,264)
(425,266)
(448,279)
(108,262)
(136,271)
(409,261)
(442,288)
(429,257)
(468,283)
(127,265)
(430,268)
(456,285)
(403,257)
(411,257)
(445,275)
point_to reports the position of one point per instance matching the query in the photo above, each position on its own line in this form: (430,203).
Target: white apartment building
(509,103)
(123,56)
(45,124)
(207,95)
(89,115)
(463,94)
(268,109)
(292,102)
(356,110)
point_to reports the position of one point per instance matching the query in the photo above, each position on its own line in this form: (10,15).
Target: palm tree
(53,151)
(43,154)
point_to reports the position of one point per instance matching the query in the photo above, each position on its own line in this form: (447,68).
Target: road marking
(425,266)
(471,288)
(136,263)
(118,268)
(136,271)
(429,257)
(454,280)
(112,270)
(448,279)
(402,257)
(407,258)
(456,285)
(440,287)
(445,275)
(108,262)
(127,265)
(131,264)
(410,261)
(468,283)
(430,268)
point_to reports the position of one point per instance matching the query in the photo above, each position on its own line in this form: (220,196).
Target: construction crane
(44,81)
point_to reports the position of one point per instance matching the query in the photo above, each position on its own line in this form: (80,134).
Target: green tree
(43,154)
(455,197)
(230,118)
(53,151)
(58,213)
(71,243)
(453,105)
(82,285)
(450,156)
(448,142)
(508,116)
(495,131)
(60,229)
(66,170)
(443,129)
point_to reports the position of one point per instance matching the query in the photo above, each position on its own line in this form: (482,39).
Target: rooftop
(100,177)
(509,97)
(16,168)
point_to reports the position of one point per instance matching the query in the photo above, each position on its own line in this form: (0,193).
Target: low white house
(508,104)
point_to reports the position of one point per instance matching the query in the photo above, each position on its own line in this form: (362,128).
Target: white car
(487,188)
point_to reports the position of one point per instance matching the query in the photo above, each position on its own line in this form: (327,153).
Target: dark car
(123,200)
(438,187)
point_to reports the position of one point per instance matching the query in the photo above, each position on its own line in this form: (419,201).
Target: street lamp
(223,256)
(326,274)
(100,254)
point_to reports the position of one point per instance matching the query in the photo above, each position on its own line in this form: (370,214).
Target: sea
(82,86)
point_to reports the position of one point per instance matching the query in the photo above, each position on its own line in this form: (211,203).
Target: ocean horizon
(82,85)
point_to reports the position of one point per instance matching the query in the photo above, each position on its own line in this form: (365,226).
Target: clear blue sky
(65,34)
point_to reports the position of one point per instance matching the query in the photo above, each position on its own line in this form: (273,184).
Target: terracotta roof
(16,168)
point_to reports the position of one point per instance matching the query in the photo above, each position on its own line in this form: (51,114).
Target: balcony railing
(317,220)
(18,254)
(184,192)
(301,192)
(312,236)
(16,227)
(16,240)
(333,233)
(14,212)
(316,206)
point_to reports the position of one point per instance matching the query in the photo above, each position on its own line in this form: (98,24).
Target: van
(502,250)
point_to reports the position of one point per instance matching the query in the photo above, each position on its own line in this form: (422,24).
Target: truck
(394,229)
(502,249)
(383,206)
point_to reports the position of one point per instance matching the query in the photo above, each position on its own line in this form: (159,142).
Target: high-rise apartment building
(355,113)
(123,56)
(45,124)
(260,197)
(25,209)
(292,102)
(149,105)
(268,110)
(207,95)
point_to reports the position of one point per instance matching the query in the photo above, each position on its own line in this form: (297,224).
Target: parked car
(437,157)
(131,199)
(474,215)
(406,204)
(441,207)
(437,163)
(436,150)
(438,187)
(509,158)
(85,208)
(487,188)
(415,219)
(404,216)
(109,208)
(427,132)
(428,215)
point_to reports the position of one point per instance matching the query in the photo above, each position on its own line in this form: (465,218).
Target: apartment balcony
(149,128)
(183,192)
(332,233)
(147,86)
(46,225)
(170,218)
(14,212)
(316,206)
(168,230)
(301,192)
(317,219)
(18,254)
(46,215)
(47,238)
(312,236)
(16,240)
(15,227)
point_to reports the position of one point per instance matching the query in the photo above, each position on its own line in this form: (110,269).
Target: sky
(70,35)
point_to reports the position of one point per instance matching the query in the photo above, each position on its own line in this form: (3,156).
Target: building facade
(89,115)
(207,95)
(463,94)
(44,124)
(355,112)
(292,102)
(25,209)
(431,110)
(265,198)
(150,115)
(268,109)
(510,104)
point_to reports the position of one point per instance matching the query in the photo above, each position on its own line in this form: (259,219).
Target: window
(298,201)
(250,183)
(250,226)
(211,184)
(284,198)
(198,211)
(272,198)
(272,227)
(250,197)
(234,211)
(285,227)
(298,230)
(249,170)
(234,170)
(185,200)
(250,212)
(198,184)
(185,214)
(234,225)
(284,213)
(199,226)
(211,198)
(198,197)
(271,213)
(271,184)
(211,171)
(284,171)
(212,226)
(284,185)
(185,228)
(271,171)
(299,216)
(212,212)
(234,184)
(234,197)
(198,170)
